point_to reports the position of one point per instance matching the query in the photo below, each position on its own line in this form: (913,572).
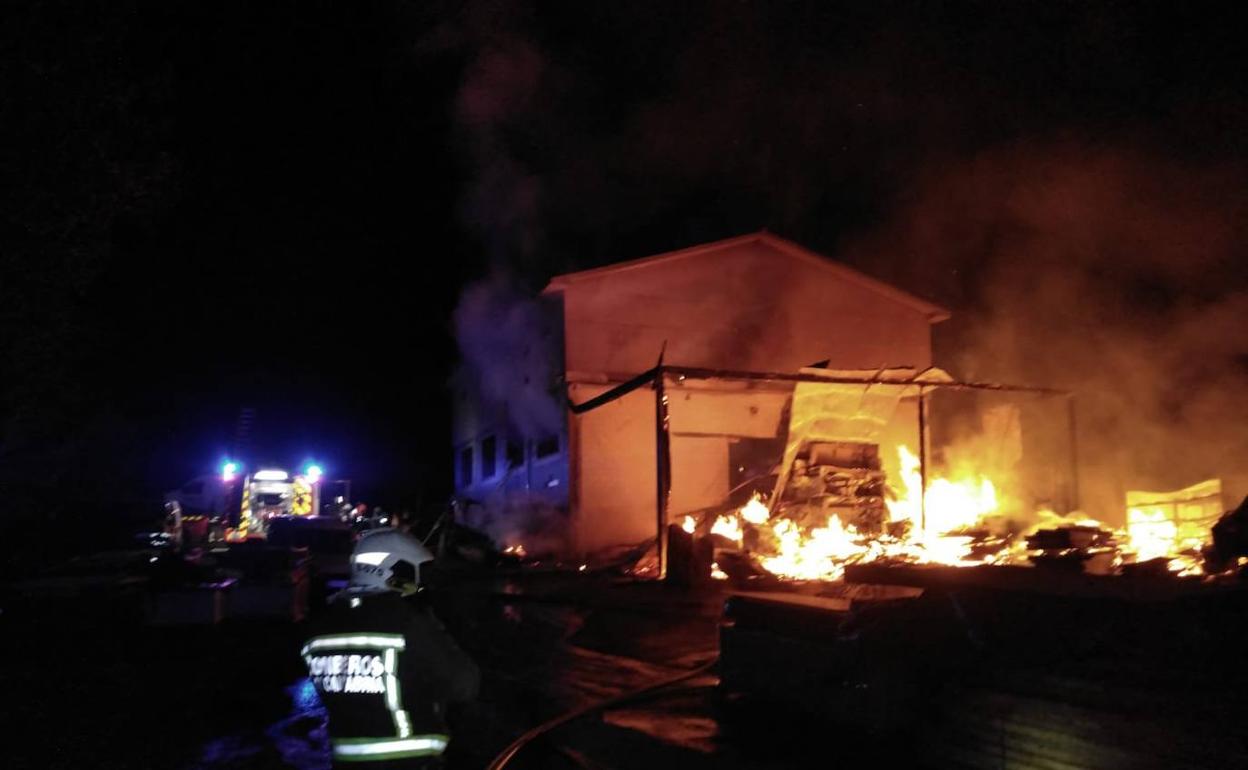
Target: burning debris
(816,529)
(850,490)
(1230,539)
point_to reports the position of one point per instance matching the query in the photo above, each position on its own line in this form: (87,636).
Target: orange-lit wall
(749,307)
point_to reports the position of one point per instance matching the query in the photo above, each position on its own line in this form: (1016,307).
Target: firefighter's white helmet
(377,554)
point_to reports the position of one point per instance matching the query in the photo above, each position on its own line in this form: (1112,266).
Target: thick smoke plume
(1101,266)
(1111,273)
(509,348)
(509,342)
(494,102)
(509,364)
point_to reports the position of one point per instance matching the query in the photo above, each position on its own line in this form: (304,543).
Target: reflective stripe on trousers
(375,749)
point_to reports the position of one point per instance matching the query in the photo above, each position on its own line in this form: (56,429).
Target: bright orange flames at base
(937,530)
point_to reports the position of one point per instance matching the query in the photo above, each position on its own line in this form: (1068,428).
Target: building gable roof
(933,312)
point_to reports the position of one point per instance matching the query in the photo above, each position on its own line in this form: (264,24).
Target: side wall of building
(750,308)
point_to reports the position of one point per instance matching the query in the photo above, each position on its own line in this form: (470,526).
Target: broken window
(515,454)
(489,457)
(547,446)
(465,466)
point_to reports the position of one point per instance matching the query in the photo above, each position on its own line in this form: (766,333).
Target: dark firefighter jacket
(385,669)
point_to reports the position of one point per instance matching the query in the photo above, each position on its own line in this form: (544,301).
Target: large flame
(932,528)
(1152,535)
(729,526)
(819,555)
(948,505)
(755,512)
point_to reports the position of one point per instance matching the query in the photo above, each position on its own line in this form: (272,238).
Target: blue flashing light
(306,699)
(229,469)
(313,473)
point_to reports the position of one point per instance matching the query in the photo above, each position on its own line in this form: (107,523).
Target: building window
(465,466)
(515,454)
(547,446)
(489,457)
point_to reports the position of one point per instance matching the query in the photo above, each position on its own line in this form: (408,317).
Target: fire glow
(939,527)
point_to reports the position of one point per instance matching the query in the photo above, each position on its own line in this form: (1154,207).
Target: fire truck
(271,492)
(236,504)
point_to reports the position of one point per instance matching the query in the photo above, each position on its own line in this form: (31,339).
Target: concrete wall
(614,462)
(749,307)
(612,469)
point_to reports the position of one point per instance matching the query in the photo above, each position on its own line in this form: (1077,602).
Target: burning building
(770,402)
(754,303)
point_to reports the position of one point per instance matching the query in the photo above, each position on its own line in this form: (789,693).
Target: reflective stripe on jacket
(385,670)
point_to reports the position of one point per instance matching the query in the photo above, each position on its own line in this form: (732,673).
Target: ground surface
(1073,685)
(105,692)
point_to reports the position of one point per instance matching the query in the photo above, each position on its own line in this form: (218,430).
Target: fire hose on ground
(500,762)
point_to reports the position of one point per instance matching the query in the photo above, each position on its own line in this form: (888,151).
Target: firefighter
(384,666)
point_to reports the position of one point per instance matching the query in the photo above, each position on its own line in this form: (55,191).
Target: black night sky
(276,205)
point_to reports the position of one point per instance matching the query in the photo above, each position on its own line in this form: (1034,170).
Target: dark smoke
(508,346)
(1113,273)
(510,355)
(916,142)
(495,99)
(509,341)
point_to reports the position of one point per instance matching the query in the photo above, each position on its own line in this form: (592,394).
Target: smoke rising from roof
(507,341)
(1111,272)
(1074,192)
(496,97)
(510,351)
